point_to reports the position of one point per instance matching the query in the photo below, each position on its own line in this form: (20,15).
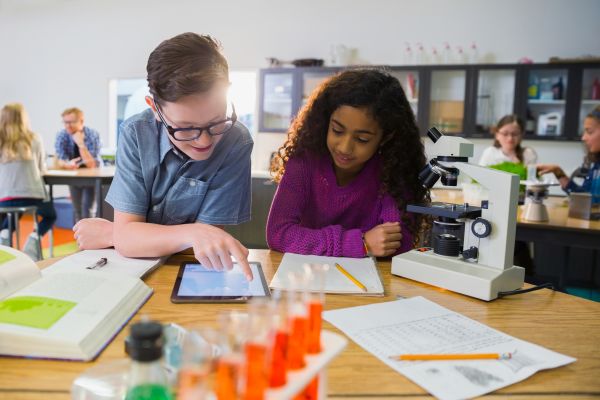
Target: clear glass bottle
(147,378)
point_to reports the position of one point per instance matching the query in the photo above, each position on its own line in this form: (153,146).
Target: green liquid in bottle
(149,392)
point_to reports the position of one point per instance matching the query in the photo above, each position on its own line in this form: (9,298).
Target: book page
(362,269)
(419,326)
(17,270)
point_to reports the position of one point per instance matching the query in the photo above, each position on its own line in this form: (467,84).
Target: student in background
(508,135)
(22,165)
(78,146)
(347,170)
(591,162)
(183,165)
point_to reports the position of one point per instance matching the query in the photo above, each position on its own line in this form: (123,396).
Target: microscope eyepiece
(434,134)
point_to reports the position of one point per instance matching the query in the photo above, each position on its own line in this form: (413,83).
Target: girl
(348,168)
(507,144)
(591,164)
(22,165)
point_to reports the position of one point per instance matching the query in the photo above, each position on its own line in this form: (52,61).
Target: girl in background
(347,170)
(508,135)
(591,162)
(22,165)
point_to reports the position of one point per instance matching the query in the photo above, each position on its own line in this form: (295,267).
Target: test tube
(232,329)
(297,319)
(316,299)
(255,349)
(198,351)
(278,354)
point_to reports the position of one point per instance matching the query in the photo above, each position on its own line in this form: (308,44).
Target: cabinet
(465,100)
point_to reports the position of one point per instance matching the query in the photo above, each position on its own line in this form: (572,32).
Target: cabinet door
(546,104)
(447,100)
(495,98)
(310,81)
(590,95)
(410,80)
(277,101)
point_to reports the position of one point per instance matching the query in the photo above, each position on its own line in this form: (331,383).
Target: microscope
(472,247)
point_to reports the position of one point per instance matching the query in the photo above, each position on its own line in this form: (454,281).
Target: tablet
(197,284)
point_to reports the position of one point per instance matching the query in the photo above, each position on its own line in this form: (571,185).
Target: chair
(13,214)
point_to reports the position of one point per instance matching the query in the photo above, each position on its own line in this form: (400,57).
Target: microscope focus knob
(481,228)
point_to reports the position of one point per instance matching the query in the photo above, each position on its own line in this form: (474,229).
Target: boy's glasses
(193,133)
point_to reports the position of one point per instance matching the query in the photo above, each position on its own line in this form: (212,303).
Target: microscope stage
(448,210)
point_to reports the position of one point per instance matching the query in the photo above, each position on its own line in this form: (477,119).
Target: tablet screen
(196,282)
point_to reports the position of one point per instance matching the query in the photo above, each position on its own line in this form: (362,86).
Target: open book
(64,313)
(363,270)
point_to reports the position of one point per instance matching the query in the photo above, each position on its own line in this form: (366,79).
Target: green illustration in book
(33,311)
(5,256)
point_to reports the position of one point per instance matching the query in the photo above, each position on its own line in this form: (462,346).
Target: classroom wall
(59,53)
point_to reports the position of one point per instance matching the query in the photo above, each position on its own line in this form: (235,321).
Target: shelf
(546,102)
(590,102)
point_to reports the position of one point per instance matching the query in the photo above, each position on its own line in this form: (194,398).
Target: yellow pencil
(425,357)
(349,276)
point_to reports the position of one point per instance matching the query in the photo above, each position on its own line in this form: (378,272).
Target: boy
(183,166)
(78,146)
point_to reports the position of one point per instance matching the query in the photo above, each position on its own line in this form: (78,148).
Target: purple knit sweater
(311,214)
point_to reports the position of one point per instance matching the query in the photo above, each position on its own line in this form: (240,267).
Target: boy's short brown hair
(73,110)
(184,65)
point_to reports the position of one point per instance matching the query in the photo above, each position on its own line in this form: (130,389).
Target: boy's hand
(383,240)
(93,233)
(78,138)
(213,248)
(72,164)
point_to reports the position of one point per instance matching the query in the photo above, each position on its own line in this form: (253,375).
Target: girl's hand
(213,248)
(383,240)
(547,168)
(93,233)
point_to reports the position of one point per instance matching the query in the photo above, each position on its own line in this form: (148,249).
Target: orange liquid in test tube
(297,342)
(311,392)
(256,374)
(190,382)
(277,376)
(226,380)
(313,345)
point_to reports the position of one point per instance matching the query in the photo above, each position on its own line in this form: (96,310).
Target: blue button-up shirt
(157,181)
(586,185)
(65,146)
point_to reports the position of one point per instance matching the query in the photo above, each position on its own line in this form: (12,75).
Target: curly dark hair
(401,149)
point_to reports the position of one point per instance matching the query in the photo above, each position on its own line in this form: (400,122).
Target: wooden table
(555,320)
(84,176)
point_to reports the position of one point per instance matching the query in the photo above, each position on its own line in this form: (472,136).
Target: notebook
(62,313)
(115,263)
(362,269)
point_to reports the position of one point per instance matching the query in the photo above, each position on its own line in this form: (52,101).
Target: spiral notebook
(362,269)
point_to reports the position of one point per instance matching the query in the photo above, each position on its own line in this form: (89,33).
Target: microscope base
(454,274)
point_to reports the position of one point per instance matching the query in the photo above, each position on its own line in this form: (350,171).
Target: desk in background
(555,320)
(87,176)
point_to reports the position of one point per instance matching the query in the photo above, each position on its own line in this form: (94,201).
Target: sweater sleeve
(391,213)
(284,230)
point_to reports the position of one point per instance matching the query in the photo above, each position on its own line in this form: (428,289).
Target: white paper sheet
(418,326)
(117,264)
